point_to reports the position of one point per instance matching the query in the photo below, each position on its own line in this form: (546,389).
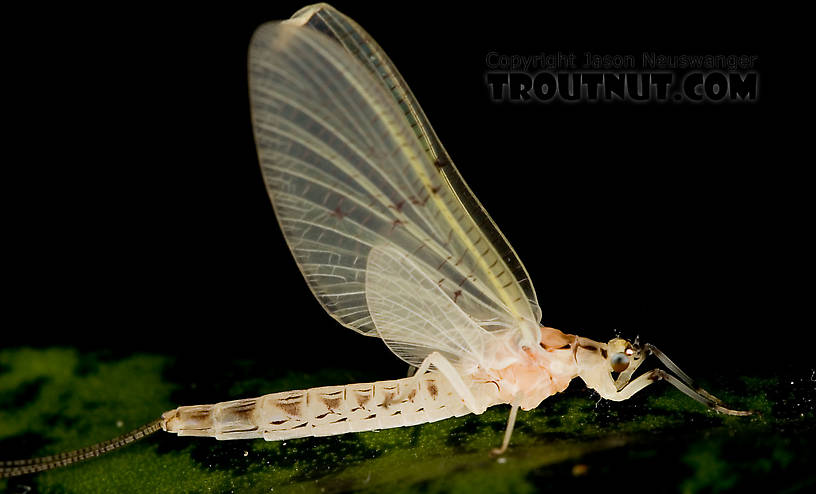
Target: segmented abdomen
(321,411)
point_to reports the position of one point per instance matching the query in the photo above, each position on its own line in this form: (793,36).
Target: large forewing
(345,172)
(364,48)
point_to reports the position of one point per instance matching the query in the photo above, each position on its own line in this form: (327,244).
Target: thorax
(533,373)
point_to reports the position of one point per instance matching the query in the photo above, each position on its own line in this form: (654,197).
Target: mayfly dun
(394,245)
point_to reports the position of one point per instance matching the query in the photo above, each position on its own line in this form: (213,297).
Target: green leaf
(58,399)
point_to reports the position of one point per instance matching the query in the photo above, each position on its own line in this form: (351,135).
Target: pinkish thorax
(535,373)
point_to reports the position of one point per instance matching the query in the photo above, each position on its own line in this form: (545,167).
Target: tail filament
(13,468)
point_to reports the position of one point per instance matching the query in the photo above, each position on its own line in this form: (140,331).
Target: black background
(136,218)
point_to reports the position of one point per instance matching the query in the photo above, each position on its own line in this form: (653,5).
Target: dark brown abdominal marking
(340,420)
(388,401)
(241,413)
(291,409)
(433,390)
(590,348)
(603,353)
(332,403)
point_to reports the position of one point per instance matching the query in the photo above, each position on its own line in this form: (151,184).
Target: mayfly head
(609,370)
(623,356)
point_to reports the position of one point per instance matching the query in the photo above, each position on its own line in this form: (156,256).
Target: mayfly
(393,244)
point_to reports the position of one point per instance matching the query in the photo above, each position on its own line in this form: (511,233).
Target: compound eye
(619,362)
